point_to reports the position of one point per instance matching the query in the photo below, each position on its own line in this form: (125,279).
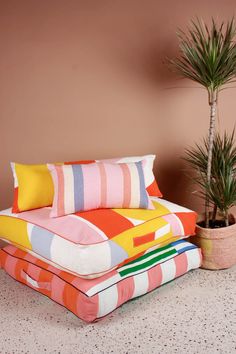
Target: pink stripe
(29,258)
(115,188)
(34,270)
(154,277)
(175,224)
(10,265)
(70,228)
(57,289)
(11,249)
(87,307)
(54,270)
(103,179)
(127,185)
(125,290)
(60,199)
(85,285)
(181,264)
(91,186)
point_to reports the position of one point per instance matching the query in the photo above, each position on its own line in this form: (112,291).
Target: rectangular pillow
(98,185)
(33,186)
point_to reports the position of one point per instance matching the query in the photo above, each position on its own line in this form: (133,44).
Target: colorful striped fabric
(94,242)
(98,185)
(94,299)
(33,186)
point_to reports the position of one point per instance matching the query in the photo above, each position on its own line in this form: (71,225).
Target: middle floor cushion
(92,243)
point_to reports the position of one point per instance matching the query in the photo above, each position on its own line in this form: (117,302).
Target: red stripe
(15,207)
(3,258)
(81,162)
(70,297)
(141,240)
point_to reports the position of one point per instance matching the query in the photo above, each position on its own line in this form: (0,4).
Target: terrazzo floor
(194,314)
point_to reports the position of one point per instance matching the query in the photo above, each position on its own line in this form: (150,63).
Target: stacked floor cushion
(92,299)
(90,244)
(92,262)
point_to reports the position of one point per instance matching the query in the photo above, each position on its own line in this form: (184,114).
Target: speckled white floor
(194,314)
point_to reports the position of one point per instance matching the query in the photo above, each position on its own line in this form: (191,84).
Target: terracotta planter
(218,246)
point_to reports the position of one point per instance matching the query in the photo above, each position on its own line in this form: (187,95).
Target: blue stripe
(41,241)
(78,187)
(184,249)
(178,242)
(143,193)
(182,241)
(188,248)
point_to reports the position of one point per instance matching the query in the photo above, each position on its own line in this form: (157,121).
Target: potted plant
(208,57)
(218,242)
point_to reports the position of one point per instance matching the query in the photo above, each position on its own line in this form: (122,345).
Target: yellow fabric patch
(14,230)
(126,238)
(35,186)
(144,214)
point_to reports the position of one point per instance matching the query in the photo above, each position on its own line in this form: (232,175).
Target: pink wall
(87,79)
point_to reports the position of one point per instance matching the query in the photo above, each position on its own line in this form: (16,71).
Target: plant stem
(213,105)
(226,218)
(214,214)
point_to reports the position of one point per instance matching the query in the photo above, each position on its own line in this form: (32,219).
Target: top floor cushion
(89,244)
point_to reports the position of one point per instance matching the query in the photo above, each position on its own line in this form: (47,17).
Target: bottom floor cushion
(92,299)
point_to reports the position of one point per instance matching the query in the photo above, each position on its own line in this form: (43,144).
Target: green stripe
(147,264)
(147,255)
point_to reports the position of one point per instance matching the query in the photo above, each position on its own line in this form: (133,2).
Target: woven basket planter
(218,246)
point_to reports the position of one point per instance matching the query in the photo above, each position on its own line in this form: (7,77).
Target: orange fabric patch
(15,208)
(188,220)
(153,190)
(82,162)
(141,240)
(110,222)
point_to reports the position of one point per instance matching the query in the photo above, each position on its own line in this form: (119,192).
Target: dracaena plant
(208,57)
(221,192)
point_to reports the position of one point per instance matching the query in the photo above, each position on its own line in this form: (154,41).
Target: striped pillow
(98,185)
